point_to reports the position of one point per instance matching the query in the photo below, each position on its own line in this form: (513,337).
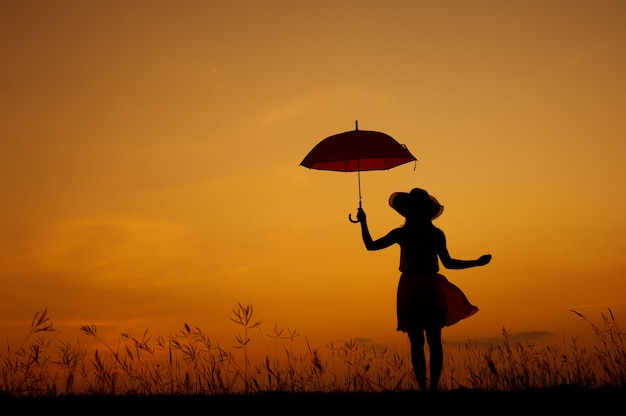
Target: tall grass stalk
(190,362)
(26,371)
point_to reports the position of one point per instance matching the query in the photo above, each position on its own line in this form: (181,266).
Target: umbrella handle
(358,171)
(350,215)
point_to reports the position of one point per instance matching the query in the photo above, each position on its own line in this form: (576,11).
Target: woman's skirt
(426,301)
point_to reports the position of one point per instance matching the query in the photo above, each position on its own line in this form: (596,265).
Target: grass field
(557,399)
(189,370)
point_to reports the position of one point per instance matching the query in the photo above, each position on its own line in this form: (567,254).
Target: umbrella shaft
(359,178)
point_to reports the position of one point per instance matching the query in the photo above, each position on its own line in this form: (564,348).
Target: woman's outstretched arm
(451,263)
(370,243)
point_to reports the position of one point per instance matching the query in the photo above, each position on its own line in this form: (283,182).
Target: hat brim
(398,201)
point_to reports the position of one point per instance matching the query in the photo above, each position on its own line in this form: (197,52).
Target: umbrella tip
(356,124)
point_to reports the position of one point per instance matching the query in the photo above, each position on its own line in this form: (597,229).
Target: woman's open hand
(484,259)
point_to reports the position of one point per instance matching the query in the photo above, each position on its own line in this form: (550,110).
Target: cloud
(509,338)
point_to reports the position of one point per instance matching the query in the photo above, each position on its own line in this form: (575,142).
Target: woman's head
(417,203)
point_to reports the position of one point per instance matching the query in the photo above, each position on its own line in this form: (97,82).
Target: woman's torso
(419,248)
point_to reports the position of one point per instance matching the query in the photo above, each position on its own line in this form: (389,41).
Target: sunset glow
(150,150)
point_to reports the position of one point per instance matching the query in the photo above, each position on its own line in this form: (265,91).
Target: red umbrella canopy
(357,150)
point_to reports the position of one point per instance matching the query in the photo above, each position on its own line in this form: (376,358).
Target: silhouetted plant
(611,353)
(190,362)
(25,371)
(243,317)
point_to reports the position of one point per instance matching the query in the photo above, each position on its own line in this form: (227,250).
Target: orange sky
(150,150)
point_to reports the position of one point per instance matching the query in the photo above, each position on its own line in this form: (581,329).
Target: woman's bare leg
(418,359)
(435,346)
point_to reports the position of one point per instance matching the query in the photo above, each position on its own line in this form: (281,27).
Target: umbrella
(355,151)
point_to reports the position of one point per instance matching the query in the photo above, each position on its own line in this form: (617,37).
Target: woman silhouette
(426,300)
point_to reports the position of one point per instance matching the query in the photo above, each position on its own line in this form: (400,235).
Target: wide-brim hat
(400,202)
